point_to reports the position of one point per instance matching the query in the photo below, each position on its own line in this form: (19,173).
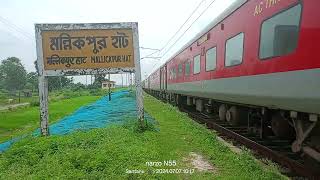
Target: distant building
(27,93)
(107,83)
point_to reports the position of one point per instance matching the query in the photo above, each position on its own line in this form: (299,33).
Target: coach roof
(234,6)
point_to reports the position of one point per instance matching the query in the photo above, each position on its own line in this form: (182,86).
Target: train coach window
(211,59)
(196,64)
(187,68)
(180,70)
(174,73)
(279,34)
(234,50)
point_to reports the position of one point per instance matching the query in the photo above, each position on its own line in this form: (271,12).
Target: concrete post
(139,94)
(44,114)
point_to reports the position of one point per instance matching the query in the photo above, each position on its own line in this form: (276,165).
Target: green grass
(23,120)
(107,153)
(27,119)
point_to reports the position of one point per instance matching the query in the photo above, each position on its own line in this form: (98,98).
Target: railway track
(271,148)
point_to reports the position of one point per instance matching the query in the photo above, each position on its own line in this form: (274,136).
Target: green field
(25,120)
(110,152)
(55,95)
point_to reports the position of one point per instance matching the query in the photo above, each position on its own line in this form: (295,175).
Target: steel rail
(296,167)
(293,165)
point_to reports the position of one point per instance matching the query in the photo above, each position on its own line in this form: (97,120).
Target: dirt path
(200,163)
(6,107)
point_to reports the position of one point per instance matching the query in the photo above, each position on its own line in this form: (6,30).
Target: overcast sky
(158,21)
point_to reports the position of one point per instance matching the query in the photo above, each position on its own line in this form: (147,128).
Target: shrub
(35,103)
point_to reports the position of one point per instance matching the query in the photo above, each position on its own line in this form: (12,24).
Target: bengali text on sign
(87,49)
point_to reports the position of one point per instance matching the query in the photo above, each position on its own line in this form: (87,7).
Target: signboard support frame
(44,74)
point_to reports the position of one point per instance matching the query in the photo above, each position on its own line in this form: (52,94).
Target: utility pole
(60,82)
(109,86)
(127,80)
(19,96)
(130,81)
(121,80)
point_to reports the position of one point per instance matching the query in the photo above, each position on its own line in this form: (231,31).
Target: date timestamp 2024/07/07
(165,167)
(172,171)
(161,171)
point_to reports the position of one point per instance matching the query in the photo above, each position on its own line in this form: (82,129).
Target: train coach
(256,64)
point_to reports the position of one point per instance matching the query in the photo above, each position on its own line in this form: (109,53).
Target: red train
(256,64)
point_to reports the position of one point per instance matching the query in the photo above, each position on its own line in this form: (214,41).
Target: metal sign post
(86,49)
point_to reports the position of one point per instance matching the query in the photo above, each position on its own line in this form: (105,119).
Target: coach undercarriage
(302,129)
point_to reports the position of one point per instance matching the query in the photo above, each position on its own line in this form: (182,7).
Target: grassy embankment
(61,103)
(109,152)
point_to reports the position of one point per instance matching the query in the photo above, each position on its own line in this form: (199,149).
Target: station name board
(87,49)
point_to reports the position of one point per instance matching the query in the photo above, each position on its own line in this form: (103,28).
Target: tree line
(14,77)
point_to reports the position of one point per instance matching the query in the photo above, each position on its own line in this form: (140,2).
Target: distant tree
(1,79)
(13,74)
(32,81)
(36,66)
(78,86)
(57,83)
(98,80)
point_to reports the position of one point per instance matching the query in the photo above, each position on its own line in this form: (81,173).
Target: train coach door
(161,78)
(165,77)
